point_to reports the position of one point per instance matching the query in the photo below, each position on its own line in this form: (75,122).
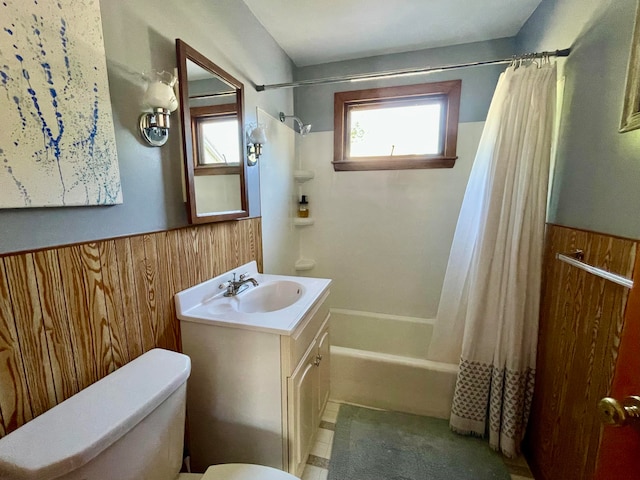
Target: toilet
(127,426)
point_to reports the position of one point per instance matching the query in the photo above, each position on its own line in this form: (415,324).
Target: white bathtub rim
(354,404)
(386,316)
(395,359)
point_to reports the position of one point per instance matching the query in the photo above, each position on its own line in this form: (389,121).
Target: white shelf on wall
(302,176)
(304,264)
(301,222)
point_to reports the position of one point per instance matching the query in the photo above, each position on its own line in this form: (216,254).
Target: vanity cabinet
(257,396)
(307,394)
(302,396)
(323,368)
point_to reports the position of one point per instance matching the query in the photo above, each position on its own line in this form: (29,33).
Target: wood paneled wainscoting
(71,315)
(580,326)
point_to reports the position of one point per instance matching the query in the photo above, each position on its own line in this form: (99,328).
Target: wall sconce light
(154,126)
(256,138)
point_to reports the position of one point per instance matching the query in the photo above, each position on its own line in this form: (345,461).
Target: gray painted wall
(315,104)
(597,177)
(140,36)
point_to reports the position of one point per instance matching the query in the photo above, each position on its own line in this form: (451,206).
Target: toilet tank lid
(77,430)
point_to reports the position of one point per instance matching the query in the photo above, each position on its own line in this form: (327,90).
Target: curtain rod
(408,71)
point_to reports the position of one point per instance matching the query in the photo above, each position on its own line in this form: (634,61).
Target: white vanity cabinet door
(303,414)
(323,366)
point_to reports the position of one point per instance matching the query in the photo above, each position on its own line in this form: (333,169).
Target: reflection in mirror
(213,143)
(217,193)
(215,135)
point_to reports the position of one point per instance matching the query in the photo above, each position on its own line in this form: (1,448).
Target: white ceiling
(321,31)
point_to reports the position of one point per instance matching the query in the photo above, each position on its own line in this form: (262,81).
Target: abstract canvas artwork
(57,143)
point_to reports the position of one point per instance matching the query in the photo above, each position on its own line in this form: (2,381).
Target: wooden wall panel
(54,312)
(581,322)
(128,299)
(71,315)
(113,304)
(192,261)
(170,280)
(144,296)
(29,325)
(15,407)
(176,277)
(96,305)
(222,237)
(78,315)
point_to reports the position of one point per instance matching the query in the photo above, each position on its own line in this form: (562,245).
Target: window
(412,126)
(216,148)
(218,143)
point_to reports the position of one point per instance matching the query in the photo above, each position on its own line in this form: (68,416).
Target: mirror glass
(211,102)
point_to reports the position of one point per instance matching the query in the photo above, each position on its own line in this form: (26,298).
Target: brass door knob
(617,414)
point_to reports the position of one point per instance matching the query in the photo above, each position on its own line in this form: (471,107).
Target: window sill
(216,170)
(396,164)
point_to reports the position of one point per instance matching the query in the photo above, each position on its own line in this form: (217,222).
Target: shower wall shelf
(301,222)
(304,264)
(302,176)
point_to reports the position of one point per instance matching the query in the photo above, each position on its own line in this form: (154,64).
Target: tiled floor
(518,468)
(318,462)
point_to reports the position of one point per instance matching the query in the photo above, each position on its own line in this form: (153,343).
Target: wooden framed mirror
(213,145)
(631,108)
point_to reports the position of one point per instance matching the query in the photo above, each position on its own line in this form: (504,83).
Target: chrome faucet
(235,287)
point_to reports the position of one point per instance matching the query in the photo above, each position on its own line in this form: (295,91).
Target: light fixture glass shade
(258,134)
(160,92)
(161,98)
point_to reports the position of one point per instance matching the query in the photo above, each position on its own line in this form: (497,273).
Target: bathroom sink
(269,297)
(276,305)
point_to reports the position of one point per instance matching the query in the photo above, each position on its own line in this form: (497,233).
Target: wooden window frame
(343,101)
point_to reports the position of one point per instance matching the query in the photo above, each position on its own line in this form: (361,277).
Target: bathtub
(380,361)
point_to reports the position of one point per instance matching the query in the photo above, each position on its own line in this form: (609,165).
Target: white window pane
(219,142)
(400,130)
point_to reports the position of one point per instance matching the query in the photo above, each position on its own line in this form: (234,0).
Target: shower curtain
(488,314)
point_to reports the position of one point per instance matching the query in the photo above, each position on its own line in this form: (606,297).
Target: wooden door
(619,455)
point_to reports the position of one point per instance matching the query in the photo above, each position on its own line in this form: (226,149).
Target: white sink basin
(269,297)
(276,305)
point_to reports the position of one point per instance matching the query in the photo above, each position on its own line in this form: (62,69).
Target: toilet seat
(245,471)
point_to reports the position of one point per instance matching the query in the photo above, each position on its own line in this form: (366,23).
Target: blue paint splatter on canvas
(60,147)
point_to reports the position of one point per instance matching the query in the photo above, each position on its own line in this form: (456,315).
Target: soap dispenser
(303,207)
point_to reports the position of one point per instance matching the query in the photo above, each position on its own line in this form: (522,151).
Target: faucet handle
(229,283)
(243,275)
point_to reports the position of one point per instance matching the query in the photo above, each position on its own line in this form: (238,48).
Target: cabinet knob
(318,360)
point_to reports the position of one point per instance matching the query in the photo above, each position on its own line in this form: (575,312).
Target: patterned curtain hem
(508,393)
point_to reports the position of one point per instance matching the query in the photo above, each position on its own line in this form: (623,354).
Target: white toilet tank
(127,426)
